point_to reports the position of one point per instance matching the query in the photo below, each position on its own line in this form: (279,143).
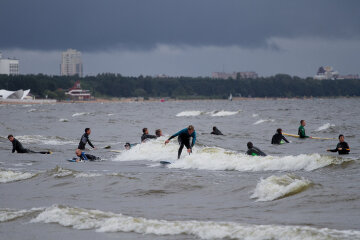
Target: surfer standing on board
(301,131)
(342,147)
(184,139)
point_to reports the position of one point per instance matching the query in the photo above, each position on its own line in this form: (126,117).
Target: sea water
(299,191)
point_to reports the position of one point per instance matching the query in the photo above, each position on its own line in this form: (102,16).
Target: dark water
(299,191)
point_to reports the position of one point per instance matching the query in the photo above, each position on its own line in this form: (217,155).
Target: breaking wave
(221,113)
(63,120)
(262,121)
(60,172)
(325,126)
(80,114)
(276,187)
(214,158)
(100,221)
(12,176)
(46,140)
(7,214)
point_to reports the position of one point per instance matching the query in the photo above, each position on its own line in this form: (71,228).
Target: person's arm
(88,140)
(177,134)
(302,133)
(150,136)
(346,147)
(194,139)
(284,138)
(83,156)
(273,140)
(14,147)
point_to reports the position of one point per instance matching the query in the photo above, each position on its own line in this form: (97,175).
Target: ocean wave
(32,110)
(255,115)
(46,140)
(262,121)
(100,221)
(276,187)
(80,114)
(214,158)
(189,113)
(59,172)
(324,127)
(63,120)
(221,113)
(12,176)
(7,214)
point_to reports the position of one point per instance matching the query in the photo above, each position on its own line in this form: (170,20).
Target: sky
(183,37)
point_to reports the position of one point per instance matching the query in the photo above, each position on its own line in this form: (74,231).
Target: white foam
(80,114)
(255,115)
(262,121)
(325,126)
(189,113)
(223,113)
(46,140)
(63,120)
(12,176)
(87,175)
(7,214)
(32,110)
(275,187)
(79,218)
(213,158)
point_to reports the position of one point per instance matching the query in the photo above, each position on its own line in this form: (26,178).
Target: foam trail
(12,176)
(79,218)
(324,127)
(80,114)
(275,187)
(262,121)
(63,120)
(214,158)
(223,113)
(189,113)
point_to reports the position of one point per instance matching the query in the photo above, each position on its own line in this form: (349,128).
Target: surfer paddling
(184,139)
(301,131)
(85,139)
(342,147)
(18,147)
(82,156)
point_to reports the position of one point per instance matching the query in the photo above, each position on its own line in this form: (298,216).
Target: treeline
(115,85)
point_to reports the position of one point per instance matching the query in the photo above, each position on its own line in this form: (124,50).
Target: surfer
(254,151)
(158,133)
(278,138)
(301,131)
(216,131)
(85,139)
(146,135)
(18,147)
(128,146)
(184,139)
(84,156)
(342,147)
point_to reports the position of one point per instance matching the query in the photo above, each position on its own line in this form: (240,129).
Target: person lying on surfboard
(342,147)
(254,151)
(301,131)
(184,139)
(18,147)
(82,156)
(278,138)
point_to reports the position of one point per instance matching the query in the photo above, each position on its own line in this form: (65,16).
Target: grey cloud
(90,25)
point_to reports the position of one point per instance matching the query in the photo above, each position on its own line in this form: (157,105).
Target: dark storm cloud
(97,25)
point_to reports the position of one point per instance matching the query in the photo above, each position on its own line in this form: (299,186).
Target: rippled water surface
(299,191)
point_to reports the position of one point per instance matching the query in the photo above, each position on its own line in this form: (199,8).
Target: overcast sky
(183,37)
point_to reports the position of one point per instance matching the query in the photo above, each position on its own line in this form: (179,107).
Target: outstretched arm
(88,140)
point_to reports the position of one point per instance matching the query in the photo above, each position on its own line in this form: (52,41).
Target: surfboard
(165,162)
(73,160)
(297,136)
(117,151)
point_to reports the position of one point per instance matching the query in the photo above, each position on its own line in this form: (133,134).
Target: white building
(19,94)
(9,66)
(71,63)
(326,73)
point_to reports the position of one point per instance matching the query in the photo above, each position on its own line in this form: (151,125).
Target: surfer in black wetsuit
(184,139)
(146,135)
(216,131)
(84,156)
(254,151)
(278,138)
(18,147)
(342,147)
(85,139)
(158,133)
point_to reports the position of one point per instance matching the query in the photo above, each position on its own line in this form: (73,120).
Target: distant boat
(230,97)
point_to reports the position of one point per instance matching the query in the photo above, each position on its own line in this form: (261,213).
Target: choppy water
(299,191)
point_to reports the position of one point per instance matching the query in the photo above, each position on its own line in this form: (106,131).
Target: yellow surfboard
(297,136)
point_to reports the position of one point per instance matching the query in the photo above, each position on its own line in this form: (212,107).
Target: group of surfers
(186,137)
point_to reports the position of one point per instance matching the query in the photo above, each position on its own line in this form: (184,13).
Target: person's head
(341,138)
(145,131)
(250,145)
(158,132)
(302,123)
(127,146)
(279,131)
(214,128)
(87,131)
(11,138)
(190,129)
(78,152)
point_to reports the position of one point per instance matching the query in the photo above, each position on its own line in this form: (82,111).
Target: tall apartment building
(71,63)
(9,66)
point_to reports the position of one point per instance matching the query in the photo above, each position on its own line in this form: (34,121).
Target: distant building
(327,73)
(77,93)
(71,63)
(9,66)
(19,94)
(234,75)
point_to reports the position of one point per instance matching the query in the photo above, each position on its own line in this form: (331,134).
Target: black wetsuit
(216,132)
(184,140)
(254,151)
(17,146)
(276,139)
(345,148)
(147,136)
(84,139)
(85,156)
